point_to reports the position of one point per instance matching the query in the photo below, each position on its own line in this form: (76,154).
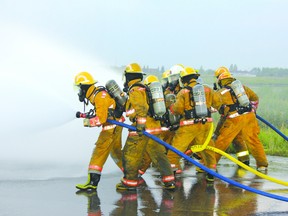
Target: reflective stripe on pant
(241,149)
(109,141)
(195,134)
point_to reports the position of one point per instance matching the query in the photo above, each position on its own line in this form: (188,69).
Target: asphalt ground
(193,196)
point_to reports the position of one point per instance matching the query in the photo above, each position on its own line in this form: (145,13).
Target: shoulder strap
(235,105)
(148,96)
(138,84)
(190,93)
(100,88)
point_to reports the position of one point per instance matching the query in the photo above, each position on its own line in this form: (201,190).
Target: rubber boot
(121,186)
(92,182)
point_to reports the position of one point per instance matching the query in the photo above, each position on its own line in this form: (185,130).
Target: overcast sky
(210,33)
(45,43)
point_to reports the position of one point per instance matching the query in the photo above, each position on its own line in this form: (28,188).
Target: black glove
(118,111)
(140,128)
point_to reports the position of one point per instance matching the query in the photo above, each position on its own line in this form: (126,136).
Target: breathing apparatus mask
(164,83)
(82,93)
(173,81)
(216,84)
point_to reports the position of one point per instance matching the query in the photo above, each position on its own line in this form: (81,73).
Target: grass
(273,143)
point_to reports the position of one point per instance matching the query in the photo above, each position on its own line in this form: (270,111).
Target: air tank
(157,98)
(115,91)
(200,101)
(240,93)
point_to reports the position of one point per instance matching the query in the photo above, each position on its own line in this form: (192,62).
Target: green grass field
(273,107)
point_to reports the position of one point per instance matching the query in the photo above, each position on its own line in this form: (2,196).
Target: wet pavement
(193,195)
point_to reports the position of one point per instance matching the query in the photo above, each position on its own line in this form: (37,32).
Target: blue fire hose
(237,184)
(272,126)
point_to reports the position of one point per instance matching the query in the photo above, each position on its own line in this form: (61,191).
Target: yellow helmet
(221,70)
(224,75)
(84,78)
(150,79)
(165,74)
(188,71)
(133,68)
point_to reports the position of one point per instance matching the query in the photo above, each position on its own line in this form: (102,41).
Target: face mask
(215,88)
(126,88)
(173,85)
(81,95)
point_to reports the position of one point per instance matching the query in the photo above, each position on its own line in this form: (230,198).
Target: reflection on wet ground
(193,195)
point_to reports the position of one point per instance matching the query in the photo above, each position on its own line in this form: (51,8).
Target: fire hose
(272,126)
(230,181)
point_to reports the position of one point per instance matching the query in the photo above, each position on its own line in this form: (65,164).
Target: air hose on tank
(230,181)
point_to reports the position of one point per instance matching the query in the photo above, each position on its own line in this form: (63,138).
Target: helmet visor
(173,77)
(164,81)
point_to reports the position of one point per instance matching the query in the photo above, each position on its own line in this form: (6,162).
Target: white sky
(210,33)
(44,43)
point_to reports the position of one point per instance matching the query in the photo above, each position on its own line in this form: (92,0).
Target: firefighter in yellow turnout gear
(136,145)
(110,138)
(194,125)
(239,144)
(240,120)
(166,134)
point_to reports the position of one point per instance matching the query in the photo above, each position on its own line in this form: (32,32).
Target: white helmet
(175,72)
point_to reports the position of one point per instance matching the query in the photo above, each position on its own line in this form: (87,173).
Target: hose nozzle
(80,115)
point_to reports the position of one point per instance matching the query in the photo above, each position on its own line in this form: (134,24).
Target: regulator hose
(237,184)
(272,126)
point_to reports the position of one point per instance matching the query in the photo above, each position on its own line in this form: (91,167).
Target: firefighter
(137,109)
(196,120)
(161,109)
(110,138)
(164,79)
(239,145)
(240,119)
(171,123)
(173,79)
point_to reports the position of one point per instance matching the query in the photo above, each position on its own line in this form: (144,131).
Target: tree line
(257,71)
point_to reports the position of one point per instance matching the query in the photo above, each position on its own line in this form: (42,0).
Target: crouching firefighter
(193,103)
(137,108)
(110,137)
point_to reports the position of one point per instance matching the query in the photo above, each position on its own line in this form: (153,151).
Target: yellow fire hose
(198,148)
